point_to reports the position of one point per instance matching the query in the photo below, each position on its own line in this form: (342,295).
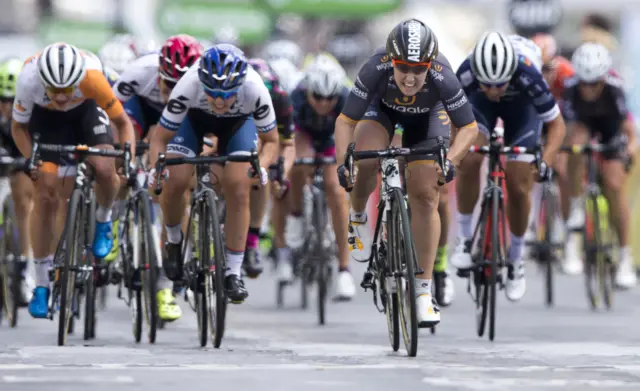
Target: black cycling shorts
(86,124)
(606,131)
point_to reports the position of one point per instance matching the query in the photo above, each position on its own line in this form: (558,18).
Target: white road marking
(496,384)
(207,367)
(67,379)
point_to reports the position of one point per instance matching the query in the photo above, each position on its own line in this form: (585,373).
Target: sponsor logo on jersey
(457,104)
(359,93)
(405,101)
(525,61)
(525,80)
(384,66)
(370,113)
(385,58)
(100,129)
(444,117)
(436,75)
(415,37)
(180,149)
(402,106)
(437,67)
(20,107)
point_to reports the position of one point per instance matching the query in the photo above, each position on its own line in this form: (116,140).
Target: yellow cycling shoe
(113,254)
(168,309)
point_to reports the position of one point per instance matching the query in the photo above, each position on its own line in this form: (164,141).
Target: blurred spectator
(598,28)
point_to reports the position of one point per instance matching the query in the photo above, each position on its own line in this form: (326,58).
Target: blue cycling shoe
(103,240)
(39,304)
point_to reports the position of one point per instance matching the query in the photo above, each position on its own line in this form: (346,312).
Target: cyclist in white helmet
(317,102)
(116,56)
(595,106)
(63,95)
(287,73)
(283,48)
(500,83)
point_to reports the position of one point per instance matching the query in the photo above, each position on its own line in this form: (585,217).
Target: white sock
(517,248)
(466,225)
(42,266)
(103,215)
(283,254)
(625,252)
(423,287)
(575,203)
(163,282)
(234,262)
(174,233)
(359,217)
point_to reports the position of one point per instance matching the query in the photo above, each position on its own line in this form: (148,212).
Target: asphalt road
(568,347)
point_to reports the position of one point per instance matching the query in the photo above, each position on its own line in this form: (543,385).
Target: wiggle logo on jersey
(406,100)
(437,67)
(444,117)
(384,58)
(414,42)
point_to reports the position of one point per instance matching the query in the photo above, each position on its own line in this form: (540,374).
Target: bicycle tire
(391,312)
(200,294)
(130,275)
(404,256)
(90,282)
(148,268)
(497,237)
(591,258)
(75,225)
(322,274)
(217,325)
(13,248)
(602,262)
(549,208)
(479,278)
(5,274)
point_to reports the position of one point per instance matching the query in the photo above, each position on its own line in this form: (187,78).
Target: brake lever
(255,165)
(159,168)
(127,162)
(34,152)
(349,161)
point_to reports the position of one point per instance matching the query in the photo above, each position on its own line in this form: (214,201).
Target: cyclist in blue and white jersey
(502,83)
(224,96)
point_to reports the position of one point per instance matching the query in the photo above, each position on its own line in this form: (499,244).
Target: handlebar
(141,147)
(315,161)
(14,164)
(163,162)
(582,149)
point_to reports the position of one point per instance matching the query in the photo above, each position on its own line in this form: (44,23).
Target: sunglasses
(65,91)
(415,68)
(590,83)
(317,96)
(498,85)
(215,94)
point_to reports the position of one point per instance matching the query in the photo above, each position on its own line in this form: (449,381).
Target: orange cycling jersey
(31,91)
(562,71)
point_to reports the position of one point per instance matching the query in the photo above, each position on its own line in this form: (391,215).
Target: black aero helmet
(412,41)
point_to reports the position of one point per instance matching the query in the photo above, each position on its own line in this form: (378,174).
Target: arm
(288,151)
(556,131)
(269,150)
(20,134)
(124,127)
(345,128)
(159,141)
(628,129)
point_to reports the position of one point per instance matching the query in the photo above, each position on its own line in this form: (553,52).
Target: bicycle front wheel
(10,276)
(322,268)
(91,276)
(214,283)
(148,267)
(497,255)
(75,247)
(404,269)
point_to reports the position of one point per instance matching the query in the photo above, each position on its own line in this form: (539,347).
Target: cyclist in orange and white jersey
(63,95)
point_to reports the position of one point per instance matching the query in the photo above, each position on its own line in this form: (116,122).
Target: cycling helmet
(591,61)
(325,77)
(177,54)
(494,60)
(222,67)
(61,65)
(228,35)
(283,49)
(413,42)
(9,72)
(287,73)
(116,55)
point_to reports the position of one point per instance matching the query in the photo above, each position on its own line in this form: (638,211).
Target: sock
(118,208)
(625,252)
(253,238)
(234,261)
(103,215)
(283,254)
(441,260)
(466,225)
(297,214)
(343,269)
(517,248)
(42,266)
(575,203)
(358,217)
(423,287)
(174,233)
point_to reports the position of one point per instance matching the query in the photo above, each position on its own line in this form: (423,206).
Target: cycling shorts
(142,115)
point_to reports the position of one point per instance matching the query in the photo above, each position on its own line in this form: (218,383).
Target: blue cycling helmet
(223,67)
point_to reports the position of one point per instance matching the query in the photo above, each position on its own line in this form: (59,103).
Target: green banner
(203,19)
(333,8)
(85,35)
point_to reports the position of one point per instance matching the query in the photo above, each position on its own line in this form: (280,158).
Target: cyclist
(63,95)
(144,88)
(287,73)
(21,184)
(502,83)
(556,71)
(260,196)
(116,55)
(409,82)
(317,102)
(283,49)
(222,95)
(595,106)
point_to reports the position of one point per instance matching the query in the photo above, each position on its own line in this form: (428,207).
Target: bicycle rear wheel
(497,255)
(604,264)
(92,275)
(590,244)
(131,276)
(404,268)
(202,270)
(75,246)
(8,267)
(322,273)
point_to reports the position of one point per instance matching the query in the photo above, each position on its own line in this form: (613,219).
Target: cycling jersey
(603,116)
(562,71)
(111,75)
(140,78)
(527,48)
(281,102)
(253,100)
(30,91)
(319,128)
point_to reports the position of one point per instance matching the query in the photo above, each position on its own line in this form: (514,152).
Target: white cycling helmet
(116,55)
(61,65)
(591,61)
(283,48)
(287,73)
(494,60)
(325,77)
